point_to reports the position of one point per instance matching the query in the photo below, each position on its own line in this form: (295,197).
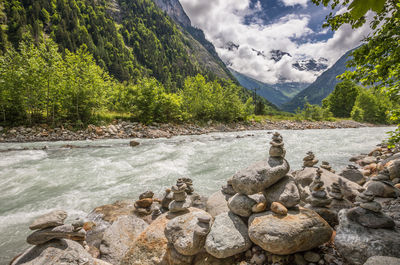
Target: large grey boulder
(299,230)
(55,252)
(118,237)
(188,232)
(217,203)
(303,179)
(284,191)
(382,189)
(65,231)
(357,243)
(369,218)
(51,219)
(228,236)
(241,204)
(260,176)
(352,173)
(381,260)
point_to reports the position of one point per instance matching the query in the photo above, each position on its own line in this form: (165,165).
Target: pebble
(311,256)
(279,208)
(299,259)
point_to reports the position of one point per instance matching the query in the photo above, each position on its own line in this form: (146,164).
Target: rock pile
(143,205)
(51,226)
(180,201)
(309,160)
(338,200)
(325,165)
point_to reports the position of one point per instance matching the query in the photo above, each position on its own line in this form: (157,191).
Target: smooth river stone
(260,176)
(241,204)
(188,232)
(299,230)
(51,219)
(65,231)
(228,236)
(284,191)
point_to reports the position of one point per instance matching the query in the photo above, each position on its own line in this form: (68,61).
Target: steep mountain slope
(129,38)
(206,52)
(277,94)
(321,88)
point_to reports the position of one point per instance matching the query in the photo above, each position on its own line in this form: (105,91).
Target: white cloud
(223,21)
(295,2)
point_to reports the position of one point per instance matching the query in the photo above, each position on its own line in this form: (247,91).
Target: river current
(33,182)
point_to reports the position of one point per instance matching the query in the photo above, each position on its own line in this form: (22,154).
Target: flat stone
(279,208)
(260,176)
(55,252)
(65,231)
(241,205)
(179,206)
(146,195)
(228,236)
(119,236)
(329,215)
(51,219)
(144,203)
(299,230)
(354,175)
(356,243)
(369,218)
(188,232)
(372,206)
(284,191)
(111,212)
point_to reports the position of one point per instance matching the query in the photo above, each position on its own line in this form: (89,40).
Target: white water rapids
(33,182)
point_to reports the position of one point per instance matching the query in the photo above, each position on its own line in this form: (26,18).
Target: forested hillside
(130,39)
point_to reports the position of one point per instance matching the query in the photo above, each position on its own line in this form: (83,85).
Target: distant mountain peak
(231,46)
(175,10)
(311,65)
(277,55)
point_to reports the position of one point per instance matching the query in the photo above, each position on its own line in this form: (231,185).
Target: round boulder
(299,230)
(228,236)
(241,204)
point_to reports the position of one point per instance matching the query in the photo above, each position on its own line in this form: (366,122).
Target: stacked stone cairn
(309,160)
(51,226)
(368,212)
(320,202)
(143,205)
(338,200)
(325,165)
(381,185)
(180,201)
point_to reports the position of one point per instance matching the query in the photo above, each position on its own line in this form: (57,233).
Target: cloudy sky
(256,27)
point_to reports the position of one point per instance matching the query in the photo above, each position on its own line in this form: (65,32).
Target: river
(33,182)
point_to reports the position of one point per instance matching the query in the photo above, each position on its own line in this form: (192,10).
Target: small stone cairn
(51,226)
(309,160)
(368,212)
(318,196)
(143,205)
(327,166)
(180,203)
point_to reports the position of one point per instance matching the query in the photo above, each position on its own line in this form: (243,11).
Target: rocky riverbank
(264,214)
(123,129)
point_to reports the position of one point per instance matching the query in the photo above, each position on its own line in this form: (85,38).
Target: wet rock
(299,230)
(187,233)
(279,208)
(356,243)
(55,252)
(51,219)
(217,203)
(133,143)
(284,191)
(241,205)
(381,260)
(118,237)
(65,231)
(228,236)
(353,174)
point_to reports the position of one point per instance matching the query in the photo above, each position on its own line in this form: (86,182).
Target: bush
(313,113)
(341,101)
(371,108)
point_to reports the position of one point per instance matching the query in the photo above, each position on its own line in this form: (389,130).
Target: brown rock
(144,203)
(111,212)
(259,207)
(51,219)
(65,231)
(279,208)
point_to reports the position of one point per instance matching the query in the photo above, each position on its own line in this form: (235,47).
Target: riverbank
(123,130)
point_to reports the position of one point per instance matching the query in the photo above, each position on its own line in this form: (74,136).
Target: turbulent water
(33,182)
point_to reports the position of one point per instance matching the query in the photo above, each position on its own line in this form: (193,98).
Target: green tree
(341,101)
(371,108)
(377,62)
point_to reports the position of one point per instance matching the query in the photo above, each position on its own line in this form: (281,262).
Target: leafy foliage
(341,101)
(377,63)
(313,113)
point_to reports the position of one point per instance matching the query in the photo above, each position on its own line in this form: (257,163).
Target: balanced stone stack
(338,200)
(309,160)
(368,212)
(319,200)
(381,185)
(189,185)
(325,165)
(143,205)
(51,226)
(180,201)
